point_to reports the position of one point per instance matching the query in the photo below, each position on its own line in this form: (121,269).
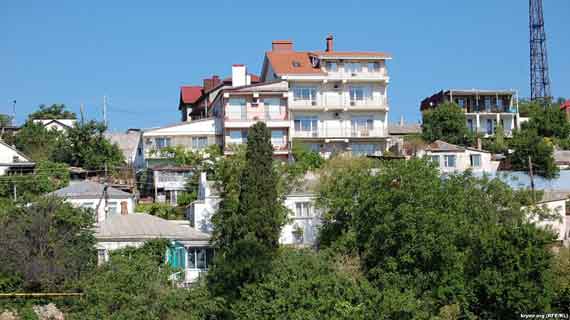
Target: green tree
(446,122)
(162,210)
(55,111)
(45,245)
(86,147)
(47,177)
(528,143)
(135,284)
(5,120)
(561,273)
(548,121)
(37,142)
(449,243)
(247,232)
(305,159)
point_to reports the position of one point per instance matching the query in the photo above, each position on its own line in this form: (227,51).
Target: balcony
(340,132)
(339,101)
(491,109)
(281,148)
(343,74)
(250,114)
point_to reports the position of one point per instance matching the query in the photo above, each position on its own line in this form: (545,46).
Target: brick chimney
(281,45)
(329,43)
(210,83)
(124,208)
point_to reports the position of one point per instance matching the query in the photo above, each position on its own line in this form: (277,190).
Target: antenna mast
(539,78)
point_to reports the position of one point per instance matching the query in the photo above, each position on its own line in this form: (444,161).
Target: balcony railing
(340,132)
(346,73)
(259,113)
(332,101)
(492,109)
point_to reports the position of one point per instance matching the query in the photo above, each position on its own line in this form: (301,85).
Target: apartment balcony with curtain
(247,115)
(336,100)
(332,131)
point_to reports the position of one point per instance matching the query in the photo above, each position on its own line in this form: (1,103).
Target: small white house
(190,250)
(13,160)
(105,201)
(304,219)
(555,203)
(56,124)
(452,158)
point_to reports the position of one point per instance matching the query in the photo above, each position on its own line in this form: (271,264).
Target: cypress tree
(246,233)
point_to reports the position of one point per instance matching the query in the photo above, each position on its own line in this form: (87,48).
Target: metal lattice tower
(539,78)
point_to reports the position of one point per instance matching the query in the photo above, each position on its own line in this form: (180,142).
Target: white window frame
(360,93)
(162,142)
(303,209)
(278,137)
(447,162)
(435,158)
(363,149)
(305,93)
(199,142)
(475,156)
(313,123)
(330,67)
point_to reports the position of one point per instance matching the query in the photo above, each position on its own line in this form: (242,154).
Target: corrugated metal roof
(85,189)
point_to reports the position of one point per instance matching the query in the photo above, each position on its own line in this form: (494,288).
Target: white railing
(343,101)
(340,132)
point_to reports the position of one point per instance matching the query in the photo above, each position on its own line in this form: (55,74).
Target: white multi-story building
(337,100)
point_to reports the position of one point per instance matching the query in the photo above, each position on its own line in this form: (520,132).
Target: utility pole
(82,110)
(105,110)
(531,175)
(15,192)
(14,113)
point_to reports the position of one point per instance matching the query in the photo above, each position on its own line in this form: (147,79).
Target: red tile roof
(565,105)
(288,62)
(189,94)
(352,54)
(254,78)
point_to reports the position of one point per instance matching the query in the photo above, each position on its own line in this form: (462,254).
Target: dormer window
(296,64)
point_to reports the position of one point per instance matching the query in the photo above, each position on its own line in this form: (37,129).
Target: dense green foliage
(446,122)
(85,146)
(135,284)
(44,246)
(55,111)
(305,159)
(548,121)
(162,210)
(37,142)
(249,221)
(561,274)
(459,241)
(5,120)
(47,177)
(528,143)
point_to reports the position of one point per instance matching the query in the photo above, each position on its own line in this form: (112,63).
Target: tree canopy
(37,142)
(446,122)
(528,143)
(55,111)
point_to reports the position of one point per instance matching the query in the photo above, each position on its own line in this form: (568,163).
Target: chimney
(239,75)
(124,208)
(330,43)
(401,120)
(210,83)
(281,45)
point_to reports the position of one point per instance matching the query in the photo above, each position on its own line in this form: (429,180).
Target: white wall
(463,161)
(559,225)
(92,203)
(7,157)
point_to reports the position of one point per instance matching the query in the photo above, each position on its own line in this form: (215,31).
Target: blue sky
(138,53)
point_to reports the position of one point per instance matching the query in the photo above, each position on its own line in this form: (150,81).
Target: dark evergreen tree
(250,219)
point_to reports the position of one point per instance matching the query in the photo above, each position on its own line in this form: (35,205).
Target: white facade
(193,135)
(56,124)
(106,209)
(301,229)
(451,158)
(555,203)
(12,158)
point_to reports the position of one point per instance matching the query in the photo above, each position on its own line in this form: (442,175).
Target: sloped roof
(406,128)
(270,86)
(554,195)
(20,154)
(88,189)
(356,54)
(562,156)
(145,226)
(442,146)
(189,94)
(127,142)
(291,62)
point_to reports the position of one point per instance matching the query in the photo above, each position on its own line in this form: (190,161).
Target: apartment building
(243,104)
(484,109)
(337,100)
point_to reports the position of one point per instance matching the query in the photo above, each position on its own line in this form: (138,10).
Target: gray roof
(88,189)
(405,128)
(127,142)
(144,226)
(442,146)
(562,156)
(554,195)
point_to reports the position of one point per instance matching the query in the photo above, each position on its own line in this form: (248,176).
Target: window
(236,108)
(487,103)
(362,126)
(470,124)
(101,256)
(306,124)
(88,205)
(363,149)
(199,258)
(461,102)
(199,142)
(475,160)
(499,102)
(332,67)
(304,94)
(303,209)
(353,67)
(162,143)
(490,126)
(374,67)
(449,161)
(238,136)
(360,93)
(277,138)
(112,208)
(434,159)
(272,107)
